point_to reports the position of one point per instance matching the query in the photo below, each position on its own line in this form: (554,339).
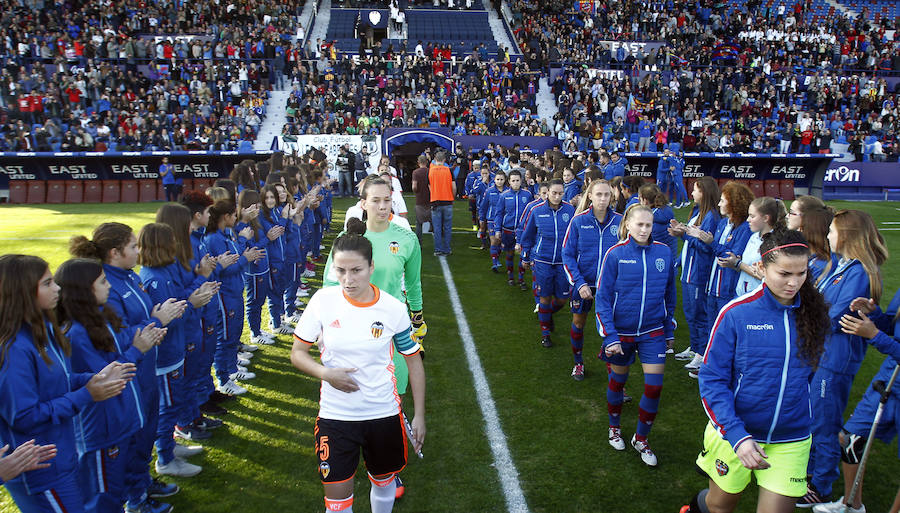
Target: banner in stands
(632,47)
(331,144)
(862,174)
(118,165)
(801,168)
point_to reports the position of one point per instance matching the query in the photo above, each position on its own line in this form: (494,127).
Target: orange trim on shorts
(381,483)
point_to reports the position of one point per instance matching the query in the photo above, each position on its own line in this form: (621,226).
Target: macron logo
(627,261)
(760,327)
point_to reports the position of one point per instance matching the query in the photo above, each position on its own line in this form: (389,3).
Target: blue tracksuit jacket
(696,256)
(488,205)
(635,291)
(108,421)
(847,281)
(545,230)
(722,280)
(162,283)
(510,206)
(613,169)
(753,383)
(42,401)
(586,242)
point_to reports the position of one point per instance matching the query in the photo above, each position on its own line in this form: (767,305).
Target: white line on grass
(506,468)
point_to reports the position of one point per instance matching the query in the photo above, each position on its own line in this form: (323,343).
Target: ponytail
(106,237)
(354,240)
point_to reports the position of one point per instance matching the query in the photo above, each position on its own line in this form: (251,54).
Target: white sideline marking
(506,468)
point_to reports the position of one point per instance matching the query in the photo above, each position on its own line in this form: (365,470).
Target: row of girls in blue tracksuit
(99,337)
(670,177)
(635,309)
(469,185)
(271,221)
(542,239)
(117,247)
(42,397)
(256,275)
(541,196)
(508,220)
(487,210)
(592,231)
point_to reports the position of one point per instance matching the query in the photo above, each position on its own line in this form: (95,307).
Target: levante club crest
(377,329)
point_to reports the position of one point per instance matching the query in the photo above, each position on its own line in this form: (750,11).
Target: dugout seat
(129,191)
(786,188)
(56,191)
(187,184)
(147,190)
(758,187)
(93,191)
(18,191)
(201,184)
(111,191)
(37,191)
(773,188)
(74,191)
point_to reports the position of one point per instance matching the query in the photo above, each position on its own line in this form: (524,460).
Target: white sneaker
(302,293)
(686,355)
(178,468)
(670,351)
(536,308)
(267,334)
(694,374)
(695,362)
(292,319)
(299,302)
(309,273)
(242,375)
(261,340)
(838,507)
(248,348)
(615,439)
(186,451)
(232,388)
(643,447)
(241,368)
(242,362)
(245,355)
(284,329)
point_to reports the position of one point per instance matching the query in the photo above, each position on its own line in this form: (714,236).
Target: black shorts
(383,444)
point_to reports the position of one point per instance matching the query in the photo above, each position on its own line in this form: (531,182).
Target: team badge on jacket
(394,246)
(377,329)
(113,452)
(660,264)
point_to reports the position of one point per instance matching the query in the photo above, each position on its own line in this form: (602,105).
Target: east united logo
(377,329)
(394,246)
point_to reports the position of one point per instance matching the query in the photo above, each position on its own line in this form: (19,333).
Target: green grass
(556,427)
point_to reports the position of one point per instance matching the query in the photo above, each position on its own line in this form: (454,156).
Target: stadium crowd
(91,77)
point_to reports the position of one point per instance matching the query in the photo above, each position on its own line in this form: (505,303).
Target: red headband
(776,248)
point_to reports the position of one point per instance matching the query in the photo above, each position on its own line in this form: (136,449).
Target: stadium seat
(147,189)
(187,184)
(56,191)
(93,191)
(201,184)
(129,191)
(74,191)
(37,192)
(111,191)
(758,187)
(786,187)
(773,188)
(18,191)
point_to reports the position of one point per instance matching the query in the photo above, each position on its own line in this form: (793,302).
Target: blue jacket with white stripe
(162,283)
(753,381)
(723,280)
(41,401)
(847,281)
(488,206)
(586,241)
(636,291)
(509,209)
(545,229)
(697,256)
(105,422)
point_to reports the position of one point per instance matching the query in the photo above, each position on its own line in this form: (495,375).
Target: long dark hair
(77,302)
(106,237)
(811,330)
(266,211)
(710,200)
(247,198)
(217,211)
(20,276)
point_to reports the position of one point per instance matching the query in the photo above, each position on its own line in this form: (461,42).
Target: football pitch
(554,427)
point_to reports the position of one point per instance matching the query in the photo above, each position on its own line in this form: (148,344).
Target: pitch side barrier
(109,177)
(781,175)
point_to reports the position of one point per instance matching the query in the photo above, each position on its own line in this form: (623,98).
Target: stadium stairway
(275,120)
(498,28)
(320,23)
(546,103)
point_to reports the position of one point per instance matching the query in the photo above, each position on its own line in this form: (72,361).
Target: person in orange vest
(442,190)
